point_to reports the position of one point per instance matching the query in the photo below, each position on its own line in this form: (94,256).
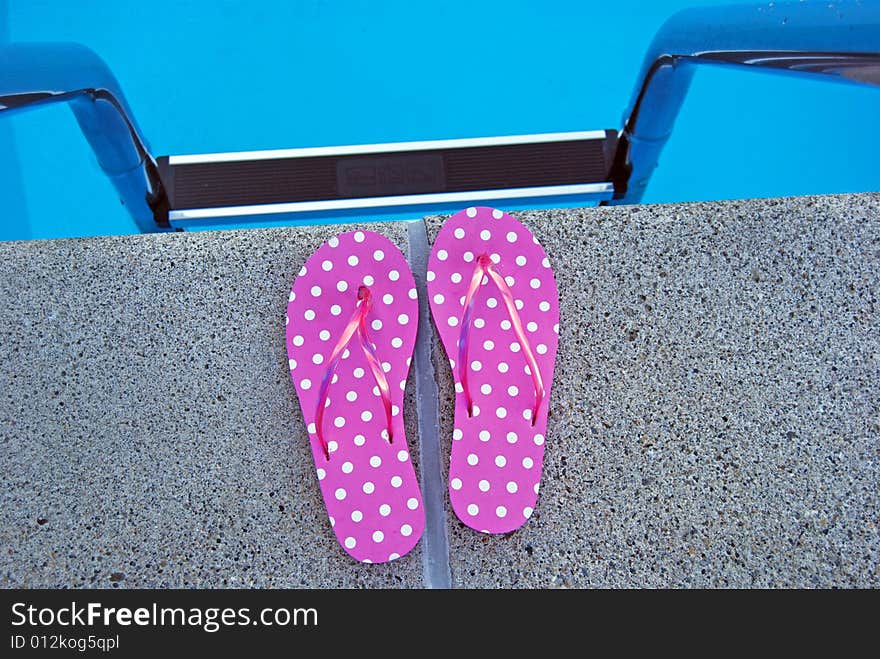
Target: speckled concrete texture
(150,433)
(715,416)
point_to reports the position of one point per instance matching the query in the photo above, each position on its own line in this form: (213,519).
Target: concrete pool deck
(715,417)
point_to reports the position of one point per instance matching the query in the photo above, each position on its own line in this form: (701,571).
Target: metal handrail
(837,40)
(38,73)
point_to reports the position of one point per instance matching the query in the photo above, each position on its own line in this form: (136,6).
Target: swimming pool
(234,76)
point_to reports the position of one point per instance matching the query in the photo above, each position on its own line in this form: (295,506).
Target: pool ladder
(839,41)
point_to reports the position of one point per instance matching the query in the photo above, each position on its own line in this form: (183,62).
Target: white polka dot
(298,340)
(317,358)
(542,349)
(527,512)
(510,281)
(353,260)
(511,236)
(528,463)
(503,367)
(305,383)
(471,212)
(505,324)
(359,440)
(406,530)
(412,293)
(475,411)
(458,388)
(340,493)
(546,262)
(396,342)
(286,319)
(486,389)
(483,485)
(402,456)
(457,434)
(488,345)
(332,521)
(395,410)
(513,390)
(520,260)
(351,396)
(514,347)
(376,324)
(430,275)
(368,280)
(500,461)
(412,503)
(327,266)
(347,467)
(388,298)
(366,415)
(539,439)
(484,435)
(378,255)
(384,510)
(396,481)
(339,421)
(527,370)
(378,536)
(324,335)
(292,364)
(544,305)
(316,291)
(359,236)
(479,322)
(485,234)
(403,385)
(393,275)
(473,509)
(497,214)
(476,365)
(519,304)
(386,366)
(455,277)
(495,258)
(501,412)
(472,459)
(491,302)
(501,511)
(536,487)
(292,296)
(512,487)
(458,233)
(442,255)
(452,321)
(334,241)
(350,542)
(468,257)
(356,515)
(335,310)
(321,474)
(556,328)
(535,282)
(302,271)
(512,437)
(358,372)
(369,488)
(532,326)
(375,461)
(309,314)
(455,483)
(403,319)
(527,414)
(346,353)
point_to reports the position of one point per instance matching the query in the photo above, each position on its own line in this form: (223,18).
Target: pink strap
(485,267)
(357,323)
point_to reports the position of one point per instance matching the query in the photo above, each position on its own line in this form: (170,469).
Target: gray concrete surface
(715,418)
(150,433)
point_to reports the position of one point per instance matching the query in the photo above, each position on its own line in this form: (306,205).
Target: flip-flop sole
(368,484)
(497,454)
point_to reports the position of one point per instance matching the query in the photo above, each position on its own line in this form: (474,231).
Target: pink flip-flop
(495,304)
(351,329)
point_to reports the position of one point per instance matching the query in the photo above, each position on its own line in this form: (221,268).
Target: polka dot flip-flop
(351,329)
(495,304)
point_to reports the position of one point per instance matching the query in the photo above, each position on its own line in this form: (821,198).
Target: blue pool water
(239,75)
